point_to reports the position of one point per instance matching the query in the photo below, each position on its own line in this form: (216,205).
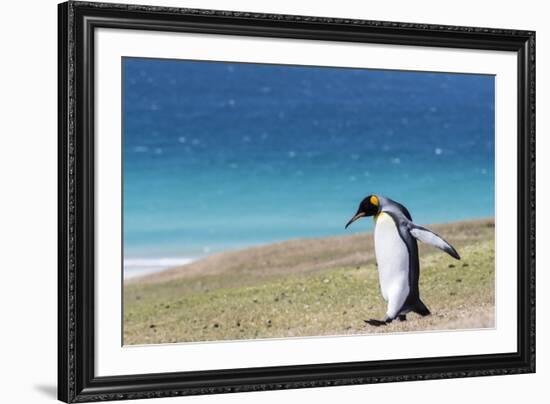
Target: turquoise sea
(220,156)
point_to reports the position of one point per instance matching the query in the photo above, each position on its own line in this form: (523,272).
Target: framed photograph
(256,201)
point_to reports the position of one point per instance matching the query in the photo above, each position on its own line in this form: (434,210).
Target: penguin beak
(354,218)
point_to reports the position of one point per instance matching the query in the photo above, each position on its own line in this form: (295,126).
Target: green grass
(236,301)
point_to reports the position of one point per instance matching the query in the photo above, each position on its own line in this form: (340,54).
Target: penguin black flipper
(429,237)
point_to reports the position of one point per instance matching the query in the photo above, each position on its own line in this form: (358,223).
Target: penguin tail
(420,308)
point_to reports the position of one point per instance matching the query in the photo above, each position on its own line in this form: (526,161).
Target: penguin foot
(402,317)
(375,323)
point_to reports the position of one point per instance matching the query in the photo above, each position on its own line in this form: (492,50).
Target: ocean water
(220,156)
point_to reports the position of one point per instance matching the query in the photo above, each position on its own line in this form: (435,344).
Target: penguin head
(369,206)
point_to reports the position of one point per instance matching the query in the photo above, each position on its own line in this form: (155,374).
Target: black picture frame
(76,379)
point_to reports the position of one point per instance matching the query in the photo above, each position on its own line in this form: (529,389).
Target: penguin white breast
(392,257)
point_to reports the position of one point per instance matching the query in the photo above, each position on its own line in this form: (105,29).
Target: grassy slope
(309,287)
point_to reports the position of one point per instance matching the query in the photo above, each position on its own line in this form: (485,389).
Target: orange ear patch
(374,201)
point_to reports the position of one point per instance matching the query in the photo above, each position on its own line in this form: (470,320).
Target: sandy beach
(309,287)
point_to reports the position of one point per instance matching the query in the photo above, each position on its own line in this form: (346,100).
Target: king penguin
(396,252)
